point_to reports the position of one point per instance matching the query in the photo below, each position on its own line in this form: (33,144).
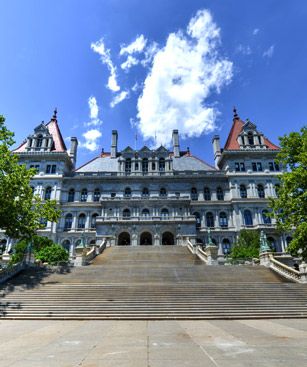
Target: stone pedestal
(211,251)
(79,260)
(303,272)
(265,258)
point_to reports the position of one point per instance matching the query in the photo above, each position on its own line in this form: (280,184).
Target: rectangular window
(153,166)
(276,166)
(48,168)
(36,166)
(271,166)
(242,167)
(254,166)
(259,166)
(136,166)
(53,168)
(237,167)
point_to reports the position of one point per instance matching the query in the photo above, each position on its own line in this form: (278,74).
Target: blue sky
(191,63)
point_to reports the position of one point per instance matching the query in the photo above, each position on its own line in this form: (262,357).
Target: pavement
(216,343)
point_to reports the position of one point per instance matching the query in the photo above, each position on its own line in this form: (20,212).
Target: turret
(176,146)
(216,149)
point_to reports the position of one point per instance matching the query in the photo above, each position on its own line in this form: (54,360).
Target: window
(71,195)
(248,219)
(83,197)
(93,220)
(48,193)
(81,221)
(161,164)
(209,220)
(250,138)
(223,220)
(198,220)
(96,195)
(36,166)
(51,168)
(127,192)
(128,166)
(277,188)
(68,221)
(126,213)
(163,192)
(43,222)
(207,194)
(194,195)
(145,192)
(113,194)
(145,166)
(153,166)
(243,192)
(219,193)
(226,246)
(273,166)
(136,166)
(164,213)
(265,217)
(145,213)
(260,190)
(240,167)
(39,141)
(257,166)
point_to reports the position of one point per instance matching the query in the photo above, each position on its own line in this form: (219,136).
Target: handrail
(11,271)
(284,270)
(202,254)
(190,247)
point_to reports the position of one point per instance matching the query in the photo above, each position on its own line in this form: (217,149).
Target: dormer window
(128,166)
(161,164)
(39,141)
(145,166)
(250,137)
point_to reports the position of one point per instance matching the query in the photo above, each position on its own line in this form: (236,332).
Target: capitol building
(156,197)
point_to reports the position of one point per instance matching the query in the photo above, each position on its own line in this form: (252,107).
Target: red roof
(232,140)
(58,141)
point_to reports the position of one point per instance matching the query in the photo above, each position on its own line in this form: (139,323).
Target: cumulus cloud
(105,58)
(131,61)
(119,98)
(94,111)
(183,75)
(136,46)
(269,52)
(91,137)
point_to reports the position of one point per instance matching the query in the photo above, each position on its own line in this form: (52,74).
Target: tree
(290,206)
(21,212)
(247,245)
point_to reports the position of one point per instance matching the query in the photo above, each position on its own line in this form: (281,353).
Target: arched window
(39,141)
(250,138)
(223,220)
(207,194)
(260,190)
(209,220)
(93,220)
(272,243)
(71,195)
(145,213)
(81,221)
(162,192)
(248,219)
(194,195)
(161,164)
(48,193)
(66,245)
(83,195)
(226,246)
(126,213)
(164,213)
(145,192)
(145,166)
(96,195)
(127,192)
(265,218)
(219,193)
(198,219)
(243,191)
(128,166)
(68,221)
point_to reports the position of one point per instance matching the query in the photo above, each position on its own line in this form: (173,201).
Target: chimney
(216,149)
(73,150)
(114,144)
(176,144)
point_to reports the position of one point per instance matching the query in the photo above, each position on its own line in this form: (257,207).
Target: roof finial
(235,115)
(54,117)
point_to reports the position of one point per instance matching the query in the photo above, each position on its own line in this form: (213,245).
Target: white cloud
(269,52)
(150,51)
(105,57)
(245,50)
(255,31)
(119,98)
(94,111)
(136,46)
(91,137)
(183,74)
(136,86)
(131,61)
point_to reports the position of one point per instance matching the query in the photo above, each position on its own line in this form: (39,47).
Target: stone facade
(156,197)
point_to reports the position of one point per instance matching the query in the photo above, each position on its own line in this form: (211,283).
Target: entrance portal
(168,238)
(146,239)
(123,239)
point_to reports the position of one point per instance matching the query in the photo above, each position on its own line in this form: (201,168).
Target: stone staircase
(152,283)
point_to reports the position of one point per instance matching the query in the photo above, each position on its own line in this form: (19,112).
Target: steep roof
(236,129)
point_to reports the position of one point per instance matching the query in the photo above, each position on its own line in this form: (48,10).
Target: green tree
(53,254)
(21,212)
(247,245)
(290,207)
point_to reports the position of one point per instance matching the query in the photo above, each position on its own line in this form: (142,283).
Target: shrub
(19,252)
(52,255)
(247,246)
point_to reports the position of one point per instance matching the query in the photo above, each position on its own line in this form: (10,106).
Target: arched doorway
(146,239)
(168,238)
(123,239)
(66,245)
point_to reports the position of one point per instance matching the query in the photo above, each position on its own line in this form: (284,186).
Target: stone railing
(208,255)
(10,271)
(299,276)
(202,254)
(190,247)
(83,259)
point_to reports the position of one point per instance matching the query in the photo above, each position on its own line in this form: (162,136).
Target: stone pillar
(303,272)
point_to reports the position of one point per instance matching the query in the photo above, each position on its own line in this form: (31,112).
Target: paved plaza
(215,343)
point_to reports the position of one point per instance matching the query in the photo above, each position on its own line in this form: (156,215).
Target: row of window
(260,191)
(256,166)
(50,168)
(80,221)
(145,165)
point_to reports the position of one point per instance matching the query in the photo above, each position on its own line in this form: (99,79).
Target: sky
(146,68)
